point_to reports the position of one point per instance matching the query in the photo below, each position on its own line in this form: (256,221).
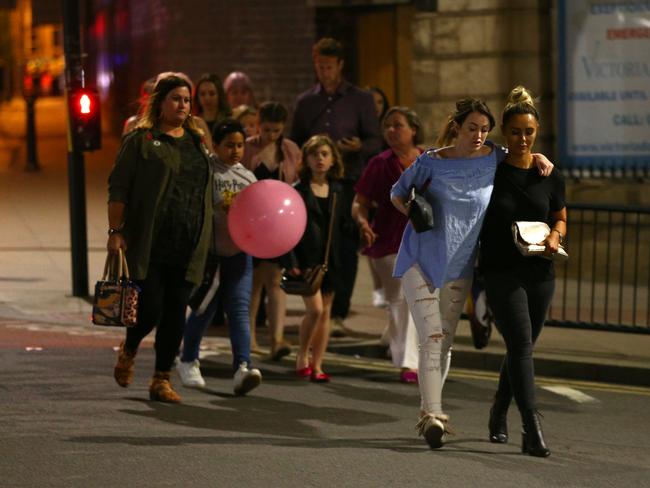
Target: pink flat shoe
(304,372)
(319,377)
(410,377)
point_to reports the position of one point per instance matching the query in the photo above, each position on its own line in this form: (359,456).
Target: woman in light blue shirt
(436,266)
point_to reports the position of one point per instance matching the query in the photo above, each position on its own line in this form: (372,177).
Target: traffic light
(85,118)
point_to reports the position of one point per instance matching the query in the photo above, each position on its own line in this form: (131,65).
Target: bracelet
(112,231)
(560,234)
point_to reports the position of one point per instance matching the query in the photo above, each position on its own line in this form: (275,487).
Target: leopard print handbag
(116,297)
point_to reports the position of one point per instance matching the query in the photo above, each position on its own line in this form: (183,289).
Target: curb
(466,357)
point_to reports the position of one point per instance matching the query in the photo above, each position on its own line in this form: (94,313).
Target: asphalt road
(65,423)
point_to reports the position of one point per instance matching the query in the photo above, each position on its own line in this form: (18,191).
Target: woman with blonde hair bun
(520,288)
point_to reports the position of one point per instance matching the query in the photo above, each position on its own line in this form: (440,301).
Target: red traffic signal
(85,119)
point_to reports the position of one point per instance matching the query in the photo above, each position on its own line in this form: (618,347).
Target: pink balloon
(267,219)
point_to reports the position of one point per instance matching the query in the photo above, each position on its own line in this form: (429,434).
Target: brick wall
(269,40)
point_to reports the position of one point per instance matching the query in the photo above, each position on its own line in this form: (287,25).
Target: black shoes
(498,423)
(532,440)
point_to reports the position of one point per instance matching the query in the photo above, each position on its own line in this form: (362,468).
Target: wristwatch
(118,230)
(560,234)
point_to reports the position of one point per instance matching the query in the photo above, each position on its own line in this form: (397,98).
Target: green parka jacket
(139,179)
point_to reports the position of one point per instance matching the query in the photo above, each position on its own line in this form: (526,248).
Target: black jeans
(163,301)
(520,305)
(348,257)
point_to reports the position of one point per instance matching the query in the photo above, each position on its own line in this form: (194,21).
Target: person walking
(320,187)
(210,100)
(402,131)
(436,266)
(160,214)
(270,155)
(347,114)
(520,289)
(230,270)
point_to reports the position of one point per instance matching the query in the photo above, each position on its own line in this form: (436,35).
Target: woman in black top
(520,289)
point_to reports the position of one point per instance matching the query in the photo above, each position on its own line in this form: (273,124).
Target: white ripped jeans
(436,312)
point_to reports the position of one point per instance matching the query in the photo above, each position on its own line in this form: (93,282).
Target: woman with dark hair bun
(270,155)
(160,215)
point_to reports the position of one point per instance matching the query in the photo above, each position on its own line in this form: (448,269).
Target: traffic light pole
(76,170)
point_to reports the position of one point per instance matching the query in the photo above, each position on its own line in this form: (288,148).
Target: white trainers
(379,298)
(190,373)
(246,379)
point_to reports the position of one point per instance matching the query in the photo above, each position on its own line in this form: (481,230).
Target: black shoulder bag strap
(329,232)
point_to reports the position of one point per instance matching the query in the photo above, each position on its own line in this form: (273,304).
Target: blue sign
(604,83)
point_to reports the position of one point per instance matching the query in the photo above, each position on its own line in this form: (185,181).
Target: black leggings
(163,301)
(520,306)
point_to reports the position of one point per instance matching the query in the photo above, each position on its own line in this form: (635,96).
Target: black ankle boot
(498,423)
(532,440)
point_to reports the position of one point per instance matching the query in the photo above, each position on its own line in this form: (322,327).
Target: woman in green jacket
(160,215)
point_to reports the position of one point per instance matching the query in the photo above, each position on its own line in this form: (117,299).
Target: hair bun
(519,96)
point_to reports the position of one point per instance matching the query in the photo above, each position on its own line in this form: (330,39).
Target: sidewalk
(35,276)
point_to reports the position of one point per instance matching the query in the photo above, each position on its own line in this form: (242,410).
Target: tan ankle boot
(160,389)
(123,371)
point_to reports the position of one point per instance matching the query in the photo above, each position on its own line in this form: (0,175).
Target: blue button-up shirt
(459,194)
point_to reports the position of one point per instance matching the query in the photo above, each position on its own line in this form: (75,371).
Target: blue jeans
(235,285)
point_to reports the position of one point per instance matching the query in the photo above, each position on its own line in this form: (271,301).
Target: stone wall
(482,48)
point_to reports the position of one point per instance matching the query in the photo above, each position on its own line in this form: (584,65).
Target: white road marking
(571,393)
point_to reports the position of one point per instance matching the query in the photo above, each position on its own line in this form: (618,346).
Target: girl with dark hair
(520,289)
(229,269)
(436,266)
(210,100)
(320,178)
(402,131)
(160,215)
(270,155)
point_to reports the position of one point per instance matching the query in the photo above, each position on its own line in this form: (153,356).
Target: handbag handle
(122,266)
(329,232)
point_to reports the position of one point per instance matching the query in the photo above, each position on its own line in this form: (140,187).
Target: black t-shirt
(519,194)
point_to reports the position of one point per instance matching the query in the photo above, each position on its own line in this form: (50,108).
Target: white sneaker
(190,373)
(246,379)
(379,298)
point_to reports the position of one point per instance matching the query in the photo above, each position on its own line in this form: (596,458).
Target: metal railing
(606,282)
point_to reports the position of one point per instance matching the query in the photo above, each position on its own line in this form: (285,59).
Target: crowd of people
(356,162)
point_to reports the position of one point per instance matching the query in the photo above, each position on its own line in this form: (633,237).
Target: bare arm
(360,207)
(544,165)
(400,204)
(558,228)
(115,221)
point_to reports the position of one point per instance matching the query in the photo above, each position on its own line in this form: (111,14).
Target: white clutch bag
(528,235)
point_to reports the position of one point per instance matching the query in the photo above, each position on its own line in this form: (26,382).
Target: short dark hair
(328,46)
(411,118)
(226,127)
